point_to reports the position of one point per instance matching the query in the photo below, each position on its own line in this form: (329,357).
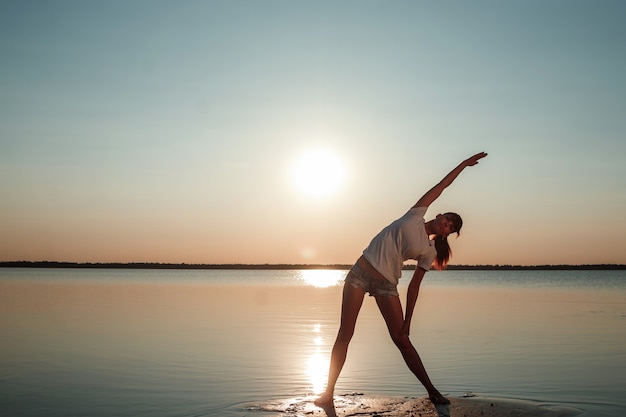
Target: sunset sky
(184,131)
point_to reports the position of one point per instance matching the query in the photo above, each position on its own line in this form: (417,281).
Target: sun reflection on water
(322,278)
(317,363)
(316,371)
(317,359)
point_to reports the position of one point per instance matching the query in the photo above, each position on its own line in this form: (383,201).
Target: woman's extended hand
(473,160)
(434,193)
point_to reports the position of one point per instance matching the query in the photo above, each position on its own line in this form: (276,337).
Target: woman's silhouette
(378,270)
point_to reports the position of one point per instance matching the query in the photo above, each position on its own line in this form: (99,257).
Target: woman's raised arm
(432,194)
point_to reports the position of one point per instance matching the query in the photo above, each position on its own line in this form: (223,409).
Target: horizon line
(283,266)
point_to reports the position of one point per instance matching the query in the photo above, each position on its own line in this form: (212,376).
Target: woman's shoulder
(418,211)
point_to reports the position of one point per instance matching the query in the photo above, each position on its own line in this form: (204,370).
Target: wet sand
(373,405)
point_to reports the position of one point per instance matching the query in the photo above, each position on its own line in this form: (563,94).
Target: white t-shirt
(403,239)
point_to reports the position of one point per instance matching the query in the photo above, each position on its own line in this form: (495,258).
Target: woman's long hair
(441,243)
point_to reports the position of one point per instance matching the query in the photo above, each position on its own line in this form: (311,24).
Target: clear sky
(170,131)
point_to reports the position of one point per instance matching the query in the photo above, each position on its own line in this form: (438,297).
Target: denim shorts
(358,277)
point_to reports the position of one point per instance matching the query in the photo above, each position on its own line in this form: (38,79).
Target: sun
(318,173)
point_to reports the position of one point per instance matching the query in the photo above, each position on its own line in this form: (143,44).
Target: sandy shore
(372,406)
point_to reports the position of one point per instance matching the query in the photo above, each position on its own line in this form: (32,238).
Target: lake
(116,342)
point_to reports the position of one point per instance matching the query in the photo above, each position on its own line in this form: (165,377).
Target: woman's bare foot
(324,400)
(438,399)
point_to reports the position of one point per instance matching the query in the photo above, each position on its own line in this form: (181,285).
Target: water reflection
(322,278)
(316,371)
(317,363)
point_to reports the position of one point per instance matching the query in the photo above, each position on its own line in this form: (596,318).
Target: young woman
(378,270)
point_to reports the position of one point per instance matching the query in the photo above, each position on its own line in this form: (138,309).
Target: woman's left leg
(351,302)
(391,309)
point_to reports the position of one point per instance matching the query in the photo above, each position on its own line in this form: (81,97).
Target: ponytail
(443,253)
(441,243)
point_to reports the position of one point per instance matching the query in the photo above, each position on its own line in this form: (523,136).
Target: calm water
(210,343)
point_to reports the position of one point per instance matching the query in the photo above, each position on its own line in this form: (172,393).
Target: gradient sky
(167,131)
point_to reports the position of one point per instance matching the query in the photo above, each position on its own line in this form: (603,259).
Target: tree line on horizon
(156,265)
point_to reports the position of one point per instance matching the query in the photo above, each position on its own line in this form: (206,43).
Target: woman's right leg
(391,309)
(351,302)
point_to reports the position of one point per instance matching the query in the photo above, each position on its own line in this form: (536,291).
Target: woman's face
(444,225)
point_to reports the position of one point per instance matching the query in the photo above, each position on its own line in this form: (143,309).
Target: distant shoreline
(154,265)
